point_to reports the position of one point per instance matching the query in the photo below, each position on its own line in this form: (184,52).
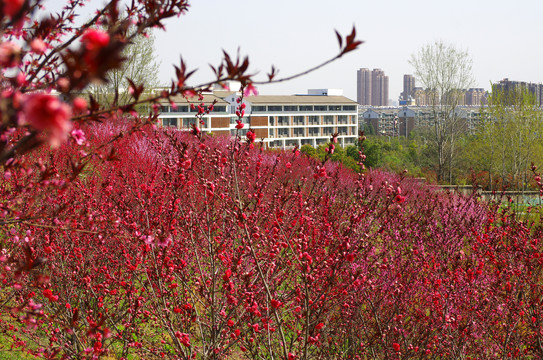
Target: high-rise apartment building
(510,90)
(476,97)
(363,86)
(372,87)
(408,86)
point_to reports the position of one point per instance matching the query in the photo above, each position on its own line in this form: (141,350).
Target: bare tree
(445,72)
(140,66)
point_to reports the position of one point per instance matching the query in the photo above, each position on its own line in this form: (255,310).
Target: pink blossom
(183,338)
(251,136)
(399,199)
(250,90)
(21,78)
(9,52)
(12,7)
(47,113)
(79,105)
(94,39)
(79,136)
(38,46)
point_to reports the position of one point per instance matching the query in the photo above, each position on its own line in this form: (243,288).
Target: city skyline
(502,38)
(372,87)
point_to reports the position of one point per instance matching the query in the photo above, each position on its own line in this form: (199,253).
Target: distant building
(372,87)
(281,121)
(408,87)
(509,88)
(420,96)
(476,97)
(363,87)
(401,121)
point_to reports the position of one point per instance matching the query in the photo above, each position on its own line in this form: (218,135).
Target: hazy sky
(504,38)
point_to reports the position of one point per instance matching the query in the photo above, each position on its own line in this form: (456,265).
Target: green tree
(309,150)
(141,66)
(509,138)
(373,150)
(353,152)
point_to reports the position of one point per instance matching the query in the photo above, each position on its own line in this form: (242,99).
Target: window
(164,109)
(314,120)
(240,132)
(328,120)
(282,132)
(298,131)
(188,121)
(291,143)
(342,119)
(283,120)
(314,131)
(321,141)
(306,107)
(271,132)
(272,120)
(334,107)
(291,108)
(327,131)
(320,107)
(298,120)
(181,109)
(342,130)
(259,108)
(219,109)
(349,107)
(275,108)
(169,122)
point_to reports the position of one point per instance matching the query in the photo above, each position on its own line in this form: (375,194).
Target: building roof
(224,93)
(208,99)
(299,99)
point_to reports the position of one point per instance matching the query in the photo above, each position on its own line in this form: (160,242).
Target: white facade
(278,121)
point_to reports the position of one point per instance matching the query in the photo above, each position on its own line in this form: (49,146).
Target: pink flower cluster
(46,113)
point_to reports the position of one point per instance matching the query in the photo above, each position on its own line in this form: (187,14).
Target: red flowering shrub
(184,246)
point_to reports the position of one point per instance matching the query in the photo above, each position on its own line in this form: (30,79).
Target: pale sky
(504,38)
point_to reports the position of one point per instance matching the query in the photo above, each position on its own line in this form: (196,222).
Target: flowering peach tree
(123,240)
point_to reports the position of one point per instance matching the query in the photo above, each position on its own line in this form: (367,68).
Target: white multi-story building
(279,121)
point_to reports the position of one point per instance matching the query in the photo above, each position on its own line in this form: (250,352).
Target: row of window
(274,120)
(264,108)
(313,142)
(312,120)
(185,122)
(187,109)
(311,132)
(297,108)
